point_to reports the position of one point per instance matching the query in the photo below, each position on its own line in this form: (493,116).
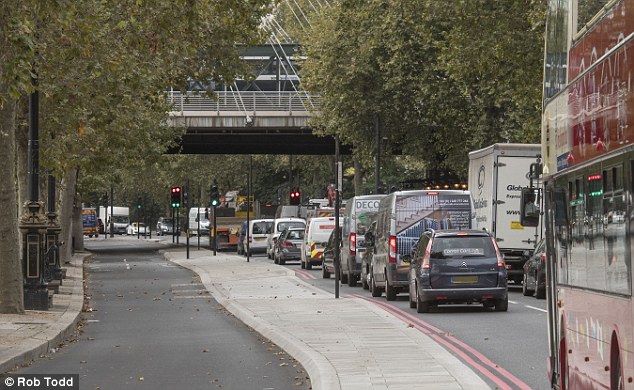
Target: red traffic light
(176,190)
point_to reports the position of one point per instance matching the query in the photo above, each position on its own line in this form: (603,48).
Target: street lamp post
(34,223)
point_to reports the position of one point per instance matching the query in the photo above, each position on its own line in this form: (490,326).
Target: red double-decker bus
(588,152)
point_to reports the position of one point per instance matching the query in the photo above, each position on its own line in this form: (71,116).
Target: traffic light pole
(174,226)
(215,233)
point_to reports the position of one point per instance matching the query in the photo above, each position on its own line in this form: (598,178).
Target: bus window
(529,209)
(587,10)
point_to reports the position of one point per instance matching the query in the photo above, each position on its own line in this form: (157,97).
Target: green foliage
(444,78)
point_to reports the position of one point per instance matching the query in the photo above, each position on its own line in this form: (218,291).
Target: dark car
(457,266)
(535,272)
(102,229)
(288,245)
(328,256)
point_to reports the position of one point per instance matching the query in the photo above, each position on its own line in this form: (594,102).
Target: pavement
(25,337)
(346,343)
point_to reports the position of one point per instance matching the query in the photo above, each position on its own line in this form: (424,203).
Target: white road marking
(536,308)
(513,302)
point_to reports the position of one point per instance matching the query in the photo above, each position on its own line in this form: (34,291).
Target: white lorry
(497,175)
(119,216)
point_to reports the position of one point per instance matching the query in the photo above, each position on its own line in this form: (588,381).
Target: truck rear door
(512,176)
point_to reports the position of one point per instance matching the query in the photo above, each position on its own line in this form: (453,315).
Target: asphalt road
(513,346)
(150,324)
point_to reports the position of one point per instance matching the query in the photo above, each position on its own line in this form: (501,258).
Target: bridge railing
(250,102)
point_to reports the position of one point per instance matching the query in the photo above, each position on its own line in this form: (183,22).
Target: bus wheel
(616,372)
(563,365)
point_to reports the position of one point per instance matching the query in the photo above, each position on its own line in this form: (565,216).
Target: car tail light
(274,240)
(287,244)
(542,257)
(392,253)
(501,263)
(426,256)
(353,244)
(250,240)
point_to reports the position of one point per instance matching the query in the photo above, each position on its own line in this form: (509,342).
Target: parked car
(328,256)
(535,272)
(358,215)
(165,226)
(259,230)
(288,246)
(279,224)
(457,266)
(315,238)
(135,228)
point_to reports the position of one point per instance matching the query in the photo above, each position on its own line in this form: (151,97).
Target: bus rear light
(487,297)
(441,298)
(392,253)
(353,244)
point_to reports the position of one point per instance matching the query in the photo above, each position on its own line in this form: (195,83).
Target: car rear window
(283,225)
(462,247)
(295,235)
(321,232)
(262,227)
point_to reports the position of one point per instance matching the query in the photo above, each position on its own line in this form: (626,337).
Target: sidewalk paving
(25,337)
(344,343)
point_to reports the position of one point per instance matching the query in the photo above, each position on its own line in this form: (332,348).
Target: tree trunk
(68,188)
(78,227)
(11,283)
(358,177)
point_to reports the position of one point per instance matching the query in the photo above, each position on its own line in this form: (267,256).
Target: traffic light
(215,196)
(176,197)
(186,196)
(295,197)
(139,202)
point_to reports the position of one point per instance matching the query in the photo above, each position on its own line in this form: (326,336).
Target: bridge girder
(296,141)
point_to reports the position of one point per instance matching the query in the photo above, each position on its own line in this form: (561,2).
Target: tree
(445,78)
(103,69)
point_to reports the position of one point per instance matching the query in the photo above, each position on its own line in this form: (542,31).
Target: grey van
(402,218)
(357,218)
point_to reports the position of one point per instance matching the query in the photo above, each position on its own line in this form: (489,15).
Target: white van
(315,238)
(259,230)
(278,227)
(199,221)
(358,215)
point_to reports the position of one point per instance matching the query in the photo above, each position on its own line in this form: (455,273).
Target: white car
(135,228)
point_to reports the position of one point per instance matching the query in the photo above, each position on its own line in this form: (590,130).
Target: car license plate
(259,238)
(470,279)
